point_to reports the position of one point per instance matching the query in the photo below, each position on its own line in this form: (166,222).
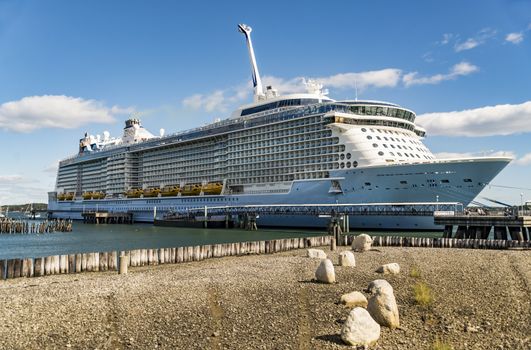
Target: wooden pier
(104,217)
(479,226)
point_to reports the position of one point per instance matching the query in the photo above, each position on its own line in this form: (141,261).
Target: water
(101,238)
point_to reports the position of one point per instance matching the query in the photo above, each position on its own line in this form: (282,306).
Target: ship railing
(369,209)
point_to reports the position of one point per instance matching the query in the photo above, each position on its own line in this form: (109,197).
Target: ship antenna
(257,83)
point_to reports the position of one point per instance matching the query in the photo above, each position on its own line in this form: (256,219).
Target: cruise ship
(303,148)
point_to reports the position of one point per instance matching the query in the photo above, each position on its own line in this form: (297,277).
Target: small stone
(325,272)
(360,329)
(354,299)
(382,307)
(316,253)
(346,258)
(362,243)
(389,269)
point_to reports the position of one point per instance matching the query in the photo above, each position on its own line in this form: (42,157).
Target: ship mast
(257,83)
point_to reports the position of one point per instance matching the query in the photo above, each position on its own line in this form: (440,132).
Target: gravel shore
(482,301)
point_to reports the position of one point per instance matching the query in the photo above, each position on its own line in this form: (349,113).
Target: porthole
(380,153)
(354,164)
(348,164)
(369,137)
(342,156)
(342,165)
(374,145)
(349,155)
(363,129)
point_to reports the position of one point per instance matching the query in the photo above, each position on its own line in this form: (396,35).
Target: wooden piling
(3,266)
(38,267)
(124,263)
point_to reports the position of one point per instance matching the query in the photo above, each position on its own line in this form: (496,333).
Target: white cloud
(52,167)
(55,111)
(484,121)
(380,78)
(222,100)
(470,43)
(12,179)
(460,69)
(481,37)
(515,38)
(524,160)
(446,38)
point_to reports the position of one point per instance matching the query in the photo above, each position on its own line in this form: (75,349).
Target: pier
(16,226)
(479,226)
(245,216)
(104,217)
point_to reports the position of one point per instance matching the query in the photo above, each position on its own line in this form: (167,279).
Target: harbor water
(86,238)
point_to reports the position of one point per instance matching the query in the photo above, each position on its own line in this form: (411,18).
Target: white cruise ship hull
(445,181)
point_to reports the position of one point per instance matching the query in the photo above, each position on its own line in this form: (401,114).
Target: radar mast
(257,83)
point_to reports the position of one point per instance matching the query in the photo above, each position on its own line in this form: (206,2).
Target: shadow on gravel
(331,338)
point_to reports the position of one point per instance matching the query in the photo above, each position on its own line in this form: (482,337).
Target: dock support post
(516,233)
(461,232)
(448,231)
(333,244)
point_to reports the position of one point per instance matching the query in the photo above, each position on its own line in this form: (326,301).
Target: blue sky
(67,67)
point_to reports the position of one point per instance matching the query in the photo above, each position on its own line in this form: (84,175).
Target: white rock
(382,307)
(325,272)
(362,243)
(346,258)
(379,285)
(392,269)
(360,329)
(316,253)
(354,299)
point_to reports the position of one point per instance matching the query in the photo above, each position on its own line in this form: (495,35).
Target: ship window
(385,145)
(342,156)
(445,181)
(369,137)
(367,184)
(348,164)
(399,154)
(378,137)
(380,153)
(363,129)
(391,153)
(467,180)
(374,145)
(342,165)
(349,155)
(354,164)
(403,182)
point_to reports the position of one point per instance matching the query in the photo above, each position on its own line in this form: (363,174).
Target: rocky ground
(482,301)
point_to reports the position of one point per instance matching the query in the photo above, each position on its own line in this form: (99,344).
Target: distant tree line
(24,207)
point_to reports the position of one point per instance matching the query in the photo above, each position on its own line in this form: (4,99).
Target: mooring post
(333,244)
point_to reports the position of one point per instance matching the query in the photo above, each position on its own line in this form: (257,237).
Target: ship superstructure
(297,148)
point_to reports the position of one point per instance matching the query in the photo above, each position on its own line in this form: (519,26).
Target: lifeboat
(98,195)
(87,195)
(69,196)
(134,193)
(170,191)
(61,196)
(212,188)
(191,189)
(151,192)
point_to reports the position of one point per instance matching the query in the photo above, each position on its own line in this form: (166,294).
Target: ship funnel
(257,83)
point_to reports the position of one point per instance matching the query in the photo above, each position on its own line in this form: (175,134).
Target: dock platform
(104,217)
(517,227)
